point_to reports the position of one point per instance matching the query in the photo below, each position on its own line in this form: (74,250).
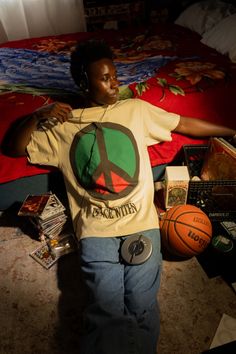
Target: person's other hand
(56,110)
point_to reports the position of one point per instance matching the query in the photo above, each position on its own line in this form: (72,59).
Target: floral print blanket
(166,65)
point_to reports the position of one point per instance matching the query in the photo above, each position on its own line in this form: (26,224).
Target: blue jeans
(122,315)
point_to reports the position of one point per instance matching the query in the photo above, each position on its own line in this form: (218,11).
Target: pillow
(202,16)
(222,37)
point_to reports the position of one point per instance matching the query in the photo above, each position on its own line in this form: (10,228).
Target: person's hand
(57,111)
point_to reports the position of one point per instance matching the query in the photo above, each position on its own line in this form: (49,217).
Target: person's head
(94,72)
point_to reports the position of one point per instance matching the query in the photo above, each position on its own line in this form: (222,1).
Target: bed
(187,67)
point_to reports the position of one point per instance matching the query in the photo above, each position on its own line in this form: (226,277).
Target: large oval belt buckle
(136,249)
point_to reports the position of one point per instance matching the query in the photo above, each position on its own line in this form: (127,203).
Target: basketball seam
(185,224)
(185,243)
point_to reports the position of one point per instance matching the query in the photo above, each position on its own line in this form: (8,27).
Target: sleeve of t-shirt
(43,148)
(158,123)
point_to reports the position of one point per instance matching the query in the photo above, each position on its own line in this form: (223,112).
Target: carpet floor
(40,309)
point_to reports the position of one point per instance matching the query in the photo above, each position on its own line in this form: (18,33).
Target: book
(220,161)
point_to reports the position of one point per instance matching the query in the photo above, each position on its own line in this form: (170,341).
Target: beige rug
(40,309)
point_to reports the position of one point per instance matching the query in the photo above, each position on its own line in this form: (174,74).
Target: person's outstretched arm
(19,137)
(201,128)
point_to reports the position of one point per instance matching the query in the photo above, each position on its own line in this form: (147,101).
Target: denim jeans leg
(104,278)
(141,286)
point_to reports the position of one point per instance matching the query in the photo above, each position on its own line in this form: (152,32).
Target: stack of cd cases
(46,212)
(48,216)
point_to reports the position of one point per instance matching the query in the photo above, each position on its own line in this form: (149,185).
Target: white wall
(34,18)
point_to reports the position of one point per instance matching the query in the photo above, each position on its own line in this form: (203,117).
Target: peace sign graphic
(105,160)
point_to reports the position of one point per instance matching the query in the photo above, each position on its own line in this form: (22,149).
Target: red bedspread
(167,66)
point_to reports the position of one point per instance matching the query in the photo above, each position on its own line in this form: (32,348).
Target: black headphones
(84,82)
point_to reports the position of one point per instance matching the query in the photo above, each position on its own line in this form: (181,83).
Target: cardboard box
(176,185)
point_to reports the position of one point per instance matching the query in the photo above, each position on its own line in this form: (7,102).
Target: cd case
(49,252)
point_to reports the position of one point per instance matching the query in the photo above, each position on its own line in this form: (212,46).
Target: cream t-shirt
(102,153)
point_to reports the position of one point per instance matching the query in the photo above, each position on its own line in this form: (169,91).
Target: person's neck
(93,103)
(84,102)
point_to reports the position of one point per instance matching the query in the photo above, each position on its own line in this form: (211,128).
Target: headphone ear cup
(84,83)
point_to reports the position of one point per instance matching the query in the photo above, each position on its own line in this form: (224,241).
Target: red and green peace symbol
(105,160)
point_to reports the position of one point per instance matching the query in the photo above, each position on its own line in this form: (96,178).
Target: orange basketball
(185,230)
